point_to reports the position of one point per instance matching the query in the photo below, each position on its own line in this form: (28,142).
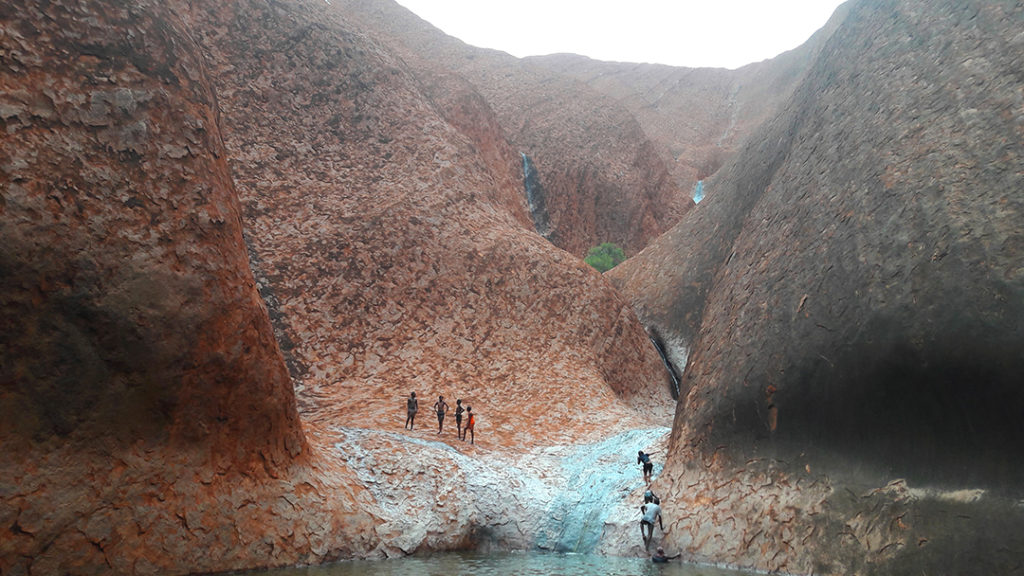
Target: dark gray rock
(851,291)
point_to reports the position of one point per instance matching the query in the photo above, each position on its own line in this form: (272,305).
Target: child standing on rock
(470,423)
(442,408)
(412,405)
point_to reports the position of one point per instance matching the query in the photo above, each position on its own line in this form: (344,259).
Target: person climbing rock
(470,424)
(659,556)
(442,408)
(411,406)
(651,512)
(644,459)
(458,417)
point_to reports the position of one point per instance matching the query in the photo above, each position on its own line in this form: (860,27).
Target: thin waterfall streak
(535,198)
(668,366)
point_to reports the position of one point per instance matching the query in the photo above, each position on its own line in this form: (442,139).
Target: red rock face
(388,243)
(149,424)
(123,239)
(604,180)
(854,306)
(148,421)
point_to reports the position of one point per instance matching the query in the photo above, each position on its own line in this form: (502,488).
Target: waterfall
(535,198)
(698,191)
(598,477)
(668,366)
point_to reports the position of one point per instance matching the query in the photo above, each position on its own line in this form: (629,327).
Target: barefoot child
(470,423)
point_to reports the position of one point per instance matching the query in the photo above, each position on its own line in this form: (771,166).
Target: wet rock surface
(436,492)
(850,300)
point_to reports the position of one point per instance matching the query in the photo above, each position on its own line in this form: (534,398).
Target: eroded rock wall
(852,299)
(147,419)
(604,179)
(399,257)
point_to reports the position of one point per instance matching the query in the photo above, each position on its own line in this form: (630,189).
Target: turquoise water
(596,481)
(521,564)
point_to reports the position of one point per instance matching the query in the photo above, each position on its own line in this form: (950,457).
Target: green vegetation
(605,257)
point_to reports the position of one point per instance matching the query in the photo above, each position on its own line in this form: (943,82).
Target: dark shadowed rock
(147,420)
(851,296)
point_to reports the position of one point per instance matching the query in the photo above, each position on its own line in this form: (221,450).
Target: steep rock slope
(603,179)
(853,292)
(387,242)
(149,423)
(398,256)
(138,369)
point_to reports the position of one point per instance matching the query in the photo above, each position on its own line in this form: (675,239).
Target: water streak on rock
(668,366)
(535,198)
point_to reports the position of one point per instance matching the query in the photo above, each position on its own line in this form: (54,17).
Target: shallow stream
(518,563)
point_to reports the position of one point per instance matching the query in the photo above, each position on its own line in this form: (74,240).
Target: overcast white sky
(714,33)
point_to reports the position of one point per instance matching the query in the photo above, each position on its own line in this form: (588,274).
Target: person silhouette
(651,512)
(411,406)
(441,407)
(470,425)
(660,556)
(645,459)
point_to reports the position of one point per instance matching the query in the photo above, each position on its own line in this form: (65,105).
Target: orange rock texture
(166,164)
(604,179)
(148,421)
(849,301)
(235,236)
(397,257)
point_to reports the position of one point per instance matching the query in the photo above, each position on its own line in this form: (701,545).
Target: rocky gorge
(235,236)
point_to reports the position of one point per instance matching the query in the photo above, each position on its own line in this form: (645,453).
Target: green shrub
(605,257)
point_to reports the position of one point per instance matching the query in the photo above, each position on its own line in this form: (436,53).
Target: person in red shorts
(470,423)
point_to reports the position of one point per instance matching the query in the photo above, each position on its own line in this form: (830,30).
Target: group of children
(441,408)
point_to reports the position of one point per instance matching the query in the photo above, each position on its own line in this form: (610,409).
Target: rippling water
(522,564)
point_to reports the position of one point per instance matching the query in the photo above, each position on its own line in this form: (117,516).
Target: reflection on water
(518,563)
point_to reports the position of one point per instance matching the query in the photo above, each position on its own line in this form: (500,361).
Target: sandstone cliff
(149,422)
(146,409)
(850,295)
(388,242)
(603,178)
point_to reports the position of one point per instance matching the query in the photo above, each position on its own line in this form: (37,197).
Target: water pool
(495,564)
